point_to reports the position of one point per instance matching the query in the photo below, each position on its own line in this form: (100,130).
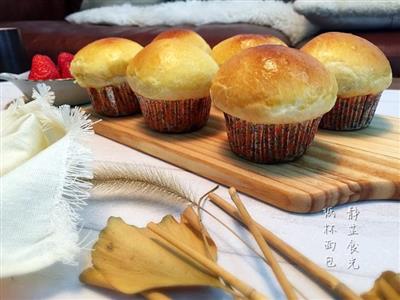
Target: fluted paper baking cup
(114,101)
(351,113)
(175,116)
(269,143)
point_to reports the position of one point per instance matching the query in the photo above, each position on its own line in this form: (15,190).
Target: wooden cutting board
(339,167)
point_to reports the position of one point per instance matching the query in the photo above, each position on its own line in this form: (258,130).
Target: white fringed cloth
(45,169)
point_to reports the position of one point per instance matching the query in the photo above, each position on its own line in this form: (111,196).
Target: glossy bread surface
(169,69)
(185,35)
(103,62)
(359,66)
(274,85)
(235,44)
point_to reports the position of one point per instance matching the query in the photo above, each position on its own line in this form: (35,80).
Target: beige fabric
(25,131)
(44,172)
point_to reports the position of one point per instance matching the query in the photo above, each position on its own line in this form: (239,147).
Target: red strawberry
(64,63)
(43,68)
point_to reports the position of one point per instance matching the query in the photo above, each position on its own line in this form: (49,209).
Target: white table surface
(378,225)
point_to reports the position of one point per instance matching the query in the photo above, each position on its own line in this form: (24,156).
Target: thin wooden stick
(313,270)
(241,286)
(266,250)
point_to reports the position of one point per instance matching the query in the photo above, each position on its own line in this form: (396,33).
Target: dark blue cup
(13,58)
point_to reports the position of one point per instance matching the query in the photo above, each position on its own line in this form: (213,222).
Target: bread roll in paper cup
(362,72)
(186,36)
(237,43)
(100,67)
(273,98)
(172,79)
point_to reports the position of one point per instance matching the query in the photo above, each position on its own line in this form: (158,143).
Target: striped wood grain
(339,167)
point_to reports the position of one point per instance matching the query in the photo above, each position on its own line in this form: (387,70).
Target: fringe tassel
(71,126)
(76,182)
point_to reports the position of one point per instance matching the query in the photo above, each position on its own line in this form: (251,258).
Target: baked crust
(274,85)
(359,66)
(169,69)
(103,62)
(185,35)
(235,44)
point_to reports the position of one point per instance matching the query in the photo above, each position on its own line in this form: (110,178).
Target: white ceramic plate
(65,90)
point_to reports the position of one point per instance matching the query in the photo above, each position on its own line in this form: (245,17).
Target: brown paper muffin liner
(273,143)
(114,101)
(351,113)
(175,116)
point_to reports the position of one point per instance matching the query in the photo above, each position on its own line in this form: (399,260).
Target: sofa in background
(45,31)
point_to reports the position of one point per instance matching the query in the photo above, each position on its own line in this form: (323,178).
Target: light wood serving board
(339,167)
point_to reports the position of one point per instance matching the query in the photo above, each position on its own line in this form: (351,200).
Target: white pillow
(275,14)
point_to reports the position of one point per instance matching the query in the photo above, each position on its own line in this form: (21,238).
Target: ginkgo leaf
(93,277)
(132,260)
(387,286)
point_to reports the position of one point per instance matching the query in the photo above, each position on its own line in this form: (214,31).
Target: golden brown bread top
(272,84)
(359,66)
(169,69)
(103,62)
(235,44)
(185,35)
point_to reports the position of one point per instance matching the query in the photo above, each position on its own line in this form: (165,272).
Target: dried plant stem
(313,270)
(199,207)
(229,229)
(228,287)
(240,239)
(111,178)
(251,225)
(241,286)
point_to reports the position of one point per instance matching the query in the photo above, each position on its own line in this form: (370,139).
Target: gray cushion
(87,4)
(351,15)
